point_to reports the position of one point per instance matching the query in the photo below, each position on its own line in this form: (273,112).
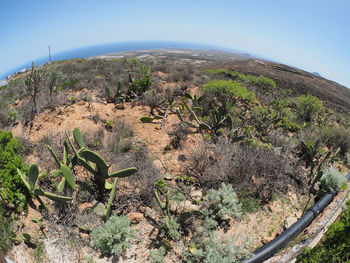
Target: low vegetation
(254,143)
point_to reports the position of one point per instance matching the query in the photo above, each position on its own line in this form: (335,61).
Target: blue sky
(309,34)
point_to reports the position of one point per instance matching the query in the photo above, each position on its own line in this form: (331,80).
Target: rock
(179,207)
(99,209)
(135,217)
(289,221)
(120,106)
(266,240)
(278,150)
(16,102)
(84,206)
(196,195)
(81,103)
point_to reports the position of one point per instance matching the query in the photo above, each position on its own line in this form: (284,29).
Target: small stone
(179,207)
(196,195)
(135,217)
(290,221)
(84,206)
(99,209)
(81,103)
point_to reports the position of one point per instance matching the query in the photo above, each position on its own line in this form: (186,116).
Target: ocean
(86,52)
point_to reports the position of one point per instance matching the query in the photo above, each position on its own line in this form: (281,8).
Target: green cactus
(146,119)
(199,124)
(94,163)
(30,181)
(65,167)
(28,240)
(110,200)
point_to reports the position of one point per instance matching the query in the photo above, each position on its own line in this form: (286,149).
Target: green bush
(261,82)
(142,80)
(6,232)
(228,89)
(308,107)
(335,247)
(332,180)
(213,250)
(222,203)
(111,238)
(11,186)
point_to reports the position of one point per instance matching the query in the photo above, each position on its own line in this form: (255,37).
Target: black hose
(272,247)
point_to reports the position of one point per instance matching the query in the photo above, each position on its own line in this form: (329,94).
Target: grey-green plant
(111,238)
(30,182)
(212,249)
(332,180)
(221,204)
(157,256)
(96,165)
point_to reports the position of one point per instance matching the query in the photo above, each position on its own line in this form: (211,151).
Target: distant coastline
(98,50)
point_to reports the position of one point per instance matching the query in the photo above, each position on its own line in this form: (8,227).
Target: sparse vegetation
(239,142)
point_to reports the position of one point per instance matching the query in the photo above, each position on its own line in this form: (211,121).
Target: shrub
(152,99)
(332,180)
(11,186)
(228,89)
(213,250)
(308,107)
(259,172)
(336,137)
(120,140)
(6,231)
(335,247)
(111,238)
(221,203)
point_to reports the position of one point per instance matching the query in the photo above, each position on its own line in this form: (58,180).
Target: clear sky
(310,34)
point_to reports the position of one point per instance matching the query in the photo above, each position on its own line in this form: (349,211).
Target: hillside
(158,156)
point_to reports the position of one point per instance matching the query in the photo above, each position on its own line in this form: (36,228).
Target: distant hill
(331,93)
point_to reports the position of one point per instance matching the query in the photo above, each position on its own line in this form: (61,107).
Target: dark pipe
(272,247)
